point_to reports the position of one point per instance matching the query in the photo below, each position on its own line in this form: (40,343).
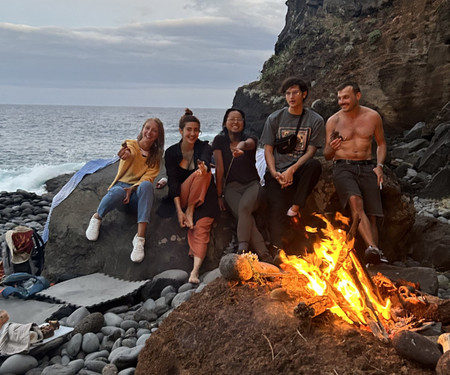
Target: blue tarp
(89,168)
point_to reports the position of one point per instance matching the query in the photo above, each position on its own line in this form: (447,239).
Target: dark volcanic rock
(439,186)
(68,252)
(91,323)
(55,184)
(429,243)
(438,153)
(397,51)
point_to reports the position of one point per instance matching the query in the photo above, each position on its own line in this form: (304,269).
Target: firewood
(435,309)
(243,268)
(312,307)
(235,267)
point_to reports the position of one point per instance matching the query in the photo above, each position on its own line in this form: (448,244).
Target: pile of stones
(108,343)
(439,209)
(23,208)
(420,159)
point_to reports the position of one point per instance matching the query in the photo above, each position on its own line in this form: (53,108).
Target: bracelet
(381,165)
(221,196)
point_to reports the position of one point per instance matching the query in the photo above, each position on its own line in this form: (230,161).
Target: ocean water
(39,142)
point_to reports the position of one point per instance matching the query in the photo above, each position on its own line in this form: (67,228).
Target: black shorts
(361,180)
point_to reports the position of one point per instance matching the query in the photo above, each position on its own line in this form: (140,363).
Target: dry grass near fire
(239,329)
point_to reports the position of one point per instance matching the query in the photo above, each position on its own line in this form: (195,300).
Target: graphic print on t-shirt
(302,138)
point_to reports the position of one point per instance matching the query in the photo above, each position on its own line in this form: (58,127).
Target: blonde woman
(140,161)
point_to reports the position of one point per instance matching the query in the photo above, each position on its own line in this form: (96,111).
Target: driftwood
(312,307)
(423,306)
(429,307)
(443,365)
(242,268)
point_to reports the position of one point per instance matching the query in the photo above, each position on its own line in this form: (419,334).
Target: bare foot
(193,278)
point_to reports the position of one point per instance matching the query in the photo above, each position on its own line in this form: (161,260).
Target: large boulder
(429,243)
(438,152)
(69,253)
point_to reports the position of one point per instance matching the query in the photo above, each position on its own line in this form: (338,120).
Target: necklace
(143,152)
(189,157)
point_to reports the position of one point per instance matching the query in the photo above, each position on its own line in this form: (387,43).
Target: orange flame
(335,271)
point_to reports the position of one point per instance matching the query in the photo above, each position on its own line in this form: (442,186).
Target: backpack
(29,254)
(23,285)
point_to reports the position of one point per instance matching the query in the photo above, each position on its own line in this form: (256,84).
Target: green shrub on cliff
(374,37)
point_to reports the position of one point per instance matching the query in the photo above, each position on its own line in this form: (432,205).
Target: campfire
(331,278)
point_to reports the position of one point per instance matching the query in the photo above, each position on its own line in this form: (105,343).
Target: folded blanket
(17,338)
(89,168)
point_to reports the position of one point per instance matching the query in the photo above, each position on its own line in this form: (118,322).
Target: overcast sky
(171,53)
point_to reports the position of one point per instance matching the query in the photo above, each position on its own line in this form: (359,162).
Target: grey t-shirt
(281,124)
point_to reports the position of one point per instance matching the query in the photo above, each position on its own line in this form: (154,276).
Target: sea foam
(33,178)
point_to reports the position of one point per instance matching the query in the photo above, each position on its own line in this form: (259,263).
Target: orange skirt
(198,237)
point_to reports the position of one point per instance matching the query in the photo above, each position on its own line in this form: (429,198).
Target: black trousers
(279,200)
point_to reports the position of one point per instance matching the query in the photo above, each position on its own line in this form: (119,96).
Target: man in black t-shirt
(290,177)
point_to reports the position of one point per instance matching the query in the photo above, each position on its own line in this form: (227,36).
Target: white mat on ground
(91,290)
(28,311)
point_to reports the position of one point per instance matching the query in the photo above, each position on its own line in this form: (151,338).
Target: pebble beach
(109,343)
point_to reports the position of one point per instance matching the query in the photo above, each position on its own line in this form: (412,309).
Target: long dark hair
(157,149)
(224,122)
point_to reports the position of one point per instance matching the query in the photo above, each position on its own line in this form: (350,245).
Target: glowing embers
(334,272)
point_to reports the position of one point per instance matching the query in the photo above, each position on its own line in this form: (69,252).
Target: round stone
(90,342)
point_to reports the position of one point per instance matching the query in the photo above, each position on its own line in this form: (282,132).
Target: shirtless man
(358,179)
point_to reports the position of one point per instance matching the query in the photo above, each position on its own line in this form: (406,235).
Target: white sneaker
(137,255)
(93,229)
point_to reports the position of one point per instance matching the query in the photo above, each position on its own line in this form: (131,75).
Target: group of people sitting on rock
(291,137)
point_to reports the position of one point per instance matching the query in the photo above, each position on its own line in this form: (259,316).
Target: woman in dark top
(191,187)
(238,180)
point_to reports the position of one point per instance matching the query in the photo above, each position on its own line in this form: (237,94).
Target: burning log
(312,308)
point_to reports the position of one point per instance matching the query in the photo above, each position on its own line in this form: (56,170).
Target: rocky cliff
(398,51)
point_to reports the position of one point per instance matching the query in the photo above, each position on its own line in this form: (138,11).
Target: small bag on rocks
(23,251)
(23,285)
